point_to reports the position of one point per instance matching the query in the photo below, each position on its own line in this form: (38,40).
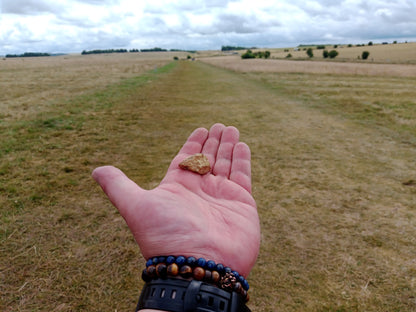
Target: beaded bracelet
(199,269)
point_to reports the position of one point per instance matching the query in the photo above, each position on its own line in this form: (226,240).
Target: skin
(212,216)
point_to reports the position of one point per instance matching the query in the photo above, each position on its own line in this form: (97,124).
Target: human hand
(212,216)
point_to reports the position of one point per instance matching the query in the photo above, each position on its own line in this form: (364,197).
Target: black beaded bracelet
(199,269)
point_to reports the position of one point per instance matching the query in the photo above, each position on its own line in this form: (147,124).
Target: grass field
(402,53)
(334,158)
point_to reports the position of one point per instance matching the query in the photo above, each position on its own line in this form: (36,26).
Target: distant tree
(289,55)
(395,41)
(153,50)
(333,54)
(259,54)
(370,43)
(335,46)
(231,48)
(248,55)
(365,55)
(320,47)
(325,54)
(309,52)
(28,54)
(266,54)
(104,51)
(176,58)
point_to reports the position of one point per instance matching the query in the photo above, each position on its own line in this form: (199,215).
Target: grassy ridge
(333,186)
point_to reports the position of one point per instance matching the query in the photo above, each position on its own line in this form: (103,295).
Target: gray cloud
(75,25)
(29,7)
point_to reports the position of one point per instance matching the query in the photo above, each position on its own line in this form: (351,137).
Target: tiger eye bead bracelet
(198,269)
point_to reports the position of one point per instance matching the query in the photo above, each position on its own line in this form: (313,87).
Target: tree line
(28,54)
(233,48)
(132,51)
(260,54)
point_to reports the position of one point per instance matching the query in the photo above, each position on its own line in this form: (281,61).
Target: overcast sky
(74,25)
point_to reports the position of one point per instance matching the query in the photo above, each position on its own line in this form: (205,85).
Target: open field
(29,85)
(334,177)
(401,53)
(315,67)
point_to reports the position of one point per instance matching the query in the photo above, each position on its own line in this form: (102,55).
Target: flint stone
(196,163)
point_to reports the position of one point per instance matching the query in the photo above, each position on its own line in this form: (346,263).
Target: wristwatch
(179,295)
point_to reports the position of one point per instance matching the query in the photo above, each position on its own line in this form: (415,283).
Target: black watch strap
(178,295)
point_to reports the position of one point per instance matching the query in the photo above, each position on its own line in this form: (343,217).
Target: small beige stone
(196,163)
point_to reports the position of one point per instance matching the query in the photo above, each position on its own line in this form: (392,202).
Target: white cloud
(75,25)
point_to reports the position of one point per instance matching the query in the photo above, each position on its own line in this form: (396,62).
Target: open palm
(212,216)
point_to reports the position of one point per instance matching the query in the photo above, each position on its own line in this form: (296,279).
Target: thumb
(121,191)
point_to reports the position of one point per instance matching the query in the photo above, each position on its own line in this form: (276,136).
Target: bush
(248,55)
(365,55)
(176,58)
(333,54)
(289,55)
(309,52)
(320,47)
(370,43)
(325,54)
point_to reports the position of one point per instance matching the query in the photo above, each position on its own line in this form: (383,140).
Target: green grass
(333,157)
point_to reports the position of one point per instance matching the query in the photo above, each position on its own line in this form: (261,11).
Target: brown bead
(246,295)
(208,276)
(237,287)
(185,271)
(215,276)
(145,276)
(198,273)
(151,271)
(173,269)
(161,270)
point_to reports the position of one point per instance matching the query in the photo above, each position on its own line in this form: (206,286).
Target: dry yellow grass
(333,172)
(317,67)
(29,85)
(401,53)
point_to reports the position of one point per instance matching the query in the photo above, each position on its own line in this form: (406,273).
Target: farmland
(334,178)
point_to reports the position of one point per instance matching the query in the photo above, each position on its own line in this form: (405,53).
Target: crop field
(333,165)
